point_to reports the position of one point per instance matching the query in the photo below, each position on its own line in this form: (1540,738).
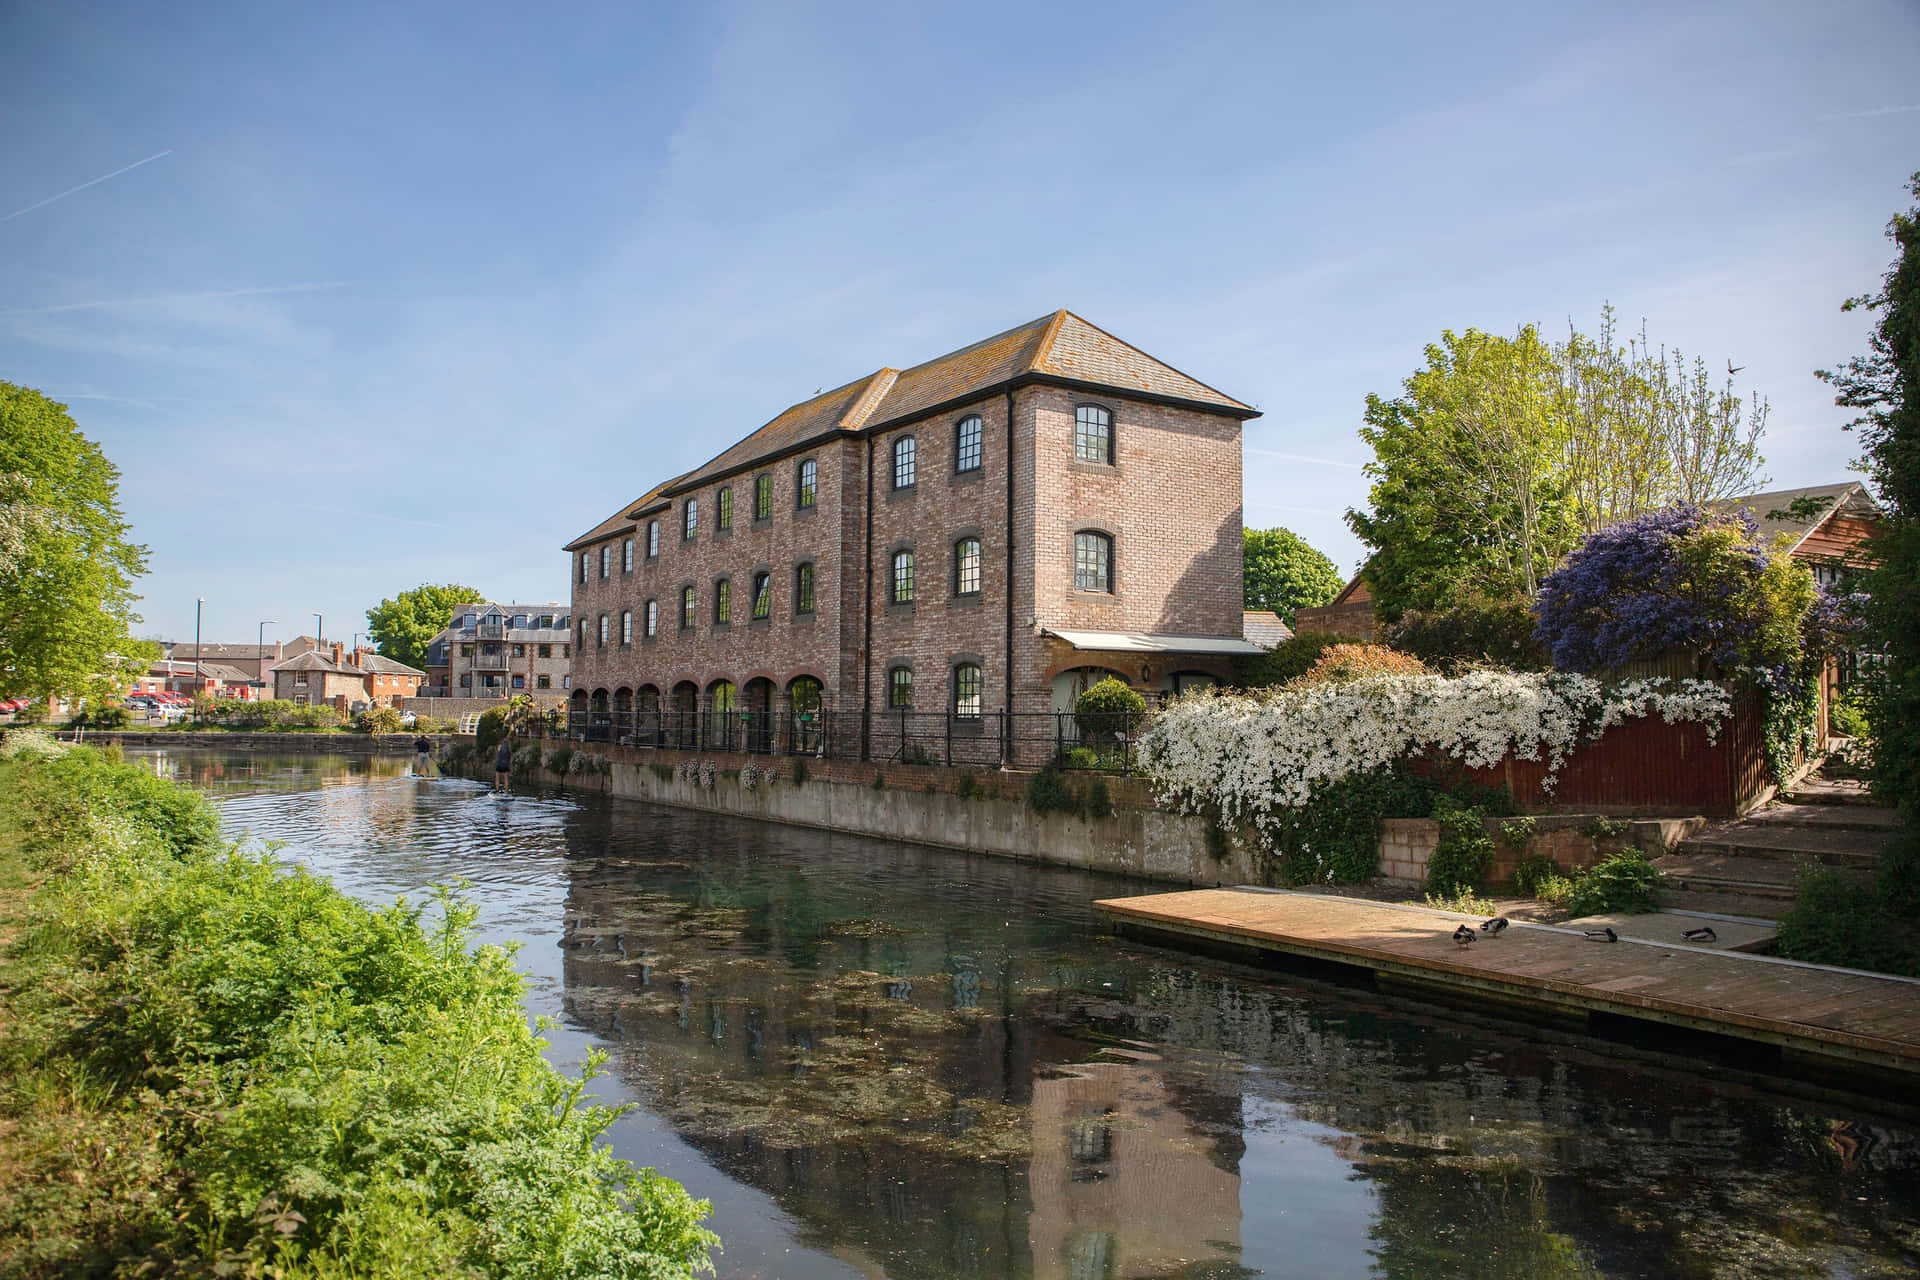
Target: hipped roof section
(1058,346)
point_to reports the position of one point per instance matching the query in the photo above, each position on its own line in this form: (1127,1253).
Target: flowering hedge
(1242,758)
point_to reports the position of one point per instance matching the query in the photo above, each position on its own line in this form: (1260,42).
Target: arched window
(763,595)
(966,691)
(650,619)
(803,695)
(688,615)
(1092,562)
(690,518)
(807,485)
(603,631)
(903,577)
(723,601)
(966,567)
(653,539)
(1092,434)
(626,626)
(900,687)
(606,560)
(903,471)
(966,444)
(803,588)
(723,508)
(626,556)
(763,497)
(583,633)
(720,697)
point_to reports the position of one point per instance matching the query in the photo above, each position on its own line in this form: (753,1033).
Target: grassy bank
(214,1064)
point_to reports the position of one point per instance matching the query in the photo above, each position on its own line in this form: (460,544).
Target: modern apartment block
(497,650)
(990,531)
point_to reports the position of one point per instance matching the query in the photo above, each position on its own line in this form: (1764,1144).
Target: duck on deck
(1822,1015)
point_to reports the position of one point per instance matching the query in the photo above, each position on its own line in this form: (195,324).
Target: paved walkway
(1838,1015)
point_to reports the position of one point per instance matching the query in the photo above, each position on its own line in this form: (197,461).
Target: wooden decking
(1866,1020)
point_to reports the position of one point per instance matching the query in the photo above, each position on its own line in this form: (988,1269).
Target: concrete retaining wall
(919,804)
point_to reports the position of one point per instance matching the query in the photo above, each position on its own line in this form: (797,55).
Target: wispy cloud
(1304,457)
(1871,112)
(83,186)
(168,299)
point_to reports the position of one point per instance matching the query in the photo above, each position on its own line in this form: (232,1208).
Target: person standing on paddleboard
(503,766)
(422,747)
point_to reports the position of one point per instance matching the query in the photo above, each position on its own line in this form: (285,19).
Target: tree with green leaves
(1501,453)
(402,627)
(1884,385)
(1285,574)
(67,566)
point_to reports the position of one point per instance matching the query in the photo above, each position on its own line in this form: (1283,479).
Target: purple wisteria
(1655,585)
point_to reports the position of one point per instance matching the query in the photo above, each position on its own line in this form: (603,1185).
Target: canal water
(881,1060)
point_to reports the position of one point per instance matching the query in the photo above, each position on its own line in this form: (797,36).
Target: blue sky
(419,295)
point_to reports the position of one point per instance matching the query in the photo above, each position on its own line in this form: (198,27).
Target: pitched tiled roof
(312,661)
(1849,496)
(183,649)
(387,666)
(1264,628)
(1060,345)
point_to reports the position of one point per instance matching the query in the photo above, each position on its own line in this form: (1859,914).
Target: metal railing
(491,630)
(993,739)
(489,662)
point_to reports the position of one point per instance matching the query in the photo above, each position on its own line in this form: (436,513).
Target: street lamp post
(198,686)
(319,633)
(260,647)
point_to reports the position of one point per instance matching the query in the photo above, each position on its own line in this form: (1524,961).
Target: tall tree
(1285,574)
(1884,385)
(402,626)
(66,564)
(1503,451)
(1468,495)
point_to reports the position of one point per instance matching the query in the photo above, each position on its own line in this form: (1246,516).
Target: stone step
(1829,791)
(1714,872)
(1825,817)
(1788,842)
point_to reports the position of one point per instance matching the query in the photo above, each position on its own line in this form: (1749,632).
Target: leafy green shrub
(1335,837)
(561,758)
(105,718)
(491,730)
(1480,631)
(968,787)
(1627,881)
(1460,860)
(1515,833)
(434,724)
(1219,847)
(1848,715)
(1601,827)
(1534,873)
(1099,800)
(331,1089)
(1049,792)
(378,720)
(1082,758)
(879,782)
(1466,902)
(799,771)
(1285,662)
(1841,919)
(1109,709)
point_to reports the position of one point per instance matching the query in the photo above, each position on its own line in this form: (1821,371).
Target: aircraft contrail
(83,186)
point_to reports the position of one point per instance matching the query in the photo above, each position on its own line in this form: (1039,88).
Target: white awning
(1141,642)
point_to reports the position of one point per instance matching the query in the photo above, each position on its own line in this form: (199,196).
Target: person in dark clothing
(502,766)
(422,755)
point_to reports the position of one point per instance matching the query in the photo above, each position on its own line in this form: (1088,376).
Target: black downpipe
(1006,706)
(866,645)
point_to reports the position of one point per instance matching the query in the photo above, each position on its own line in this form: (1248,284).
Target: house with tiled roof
(986,532)
(347,681)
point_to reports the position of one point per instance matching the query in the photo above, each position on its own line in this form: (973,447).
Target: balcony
(491,630)
(489,662)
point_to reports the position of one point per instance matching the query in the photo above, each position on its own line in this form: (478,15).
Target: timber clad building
(987,532)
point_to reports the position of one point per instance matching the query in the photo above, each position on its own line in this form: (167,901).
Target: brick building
(346,680)
(494,650)
(990,531)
